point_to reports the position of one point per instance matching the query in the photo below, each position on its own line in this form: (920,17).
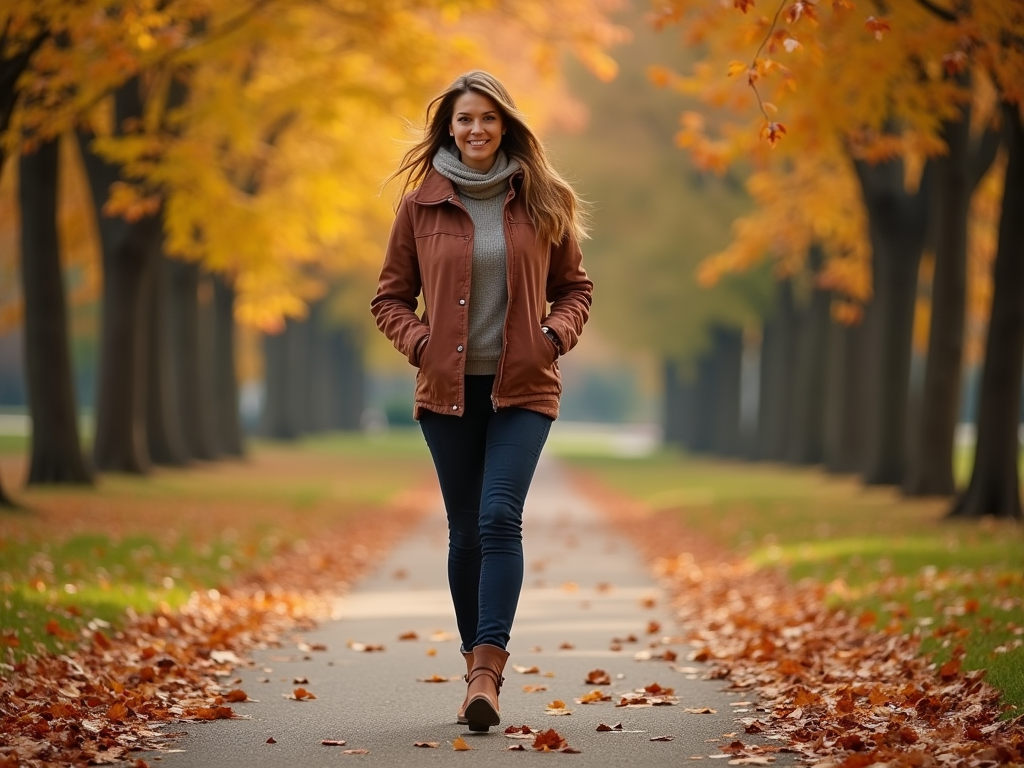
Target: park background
(805,219)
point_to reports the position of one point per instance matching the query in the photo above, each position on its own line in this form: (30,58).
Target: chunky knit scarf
(474,183)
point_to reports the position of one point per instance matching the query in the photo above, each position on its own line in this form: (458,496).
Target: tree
(994,488)
(823,93)
(56,454)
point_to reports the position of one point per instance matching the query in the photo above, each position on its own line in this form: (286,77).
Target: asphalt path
(585,588)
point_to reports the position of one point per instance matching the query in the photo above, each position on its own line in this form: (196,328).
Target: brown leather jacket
(431,250)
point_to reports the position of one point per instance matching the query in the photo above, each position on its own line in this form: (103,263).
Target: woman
(489,234)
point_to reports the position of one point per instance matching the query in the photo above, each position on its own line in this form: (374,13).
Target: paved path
(373,700)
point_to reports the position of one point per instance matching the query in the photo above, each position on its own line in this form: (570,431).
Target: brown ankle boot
(461,716)
(484,683)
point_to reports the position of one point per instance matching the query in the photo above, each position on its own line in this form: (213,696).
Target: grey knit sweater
(483,195)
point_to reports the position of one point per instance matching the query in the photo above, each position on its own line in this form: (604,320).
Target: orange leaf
(460,745)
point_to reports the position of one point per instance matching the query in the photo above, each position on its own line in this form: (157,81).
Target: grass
(896,559)
(79,556)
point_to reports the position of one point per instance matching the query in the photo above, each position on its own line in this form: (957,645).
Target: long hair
(551,202)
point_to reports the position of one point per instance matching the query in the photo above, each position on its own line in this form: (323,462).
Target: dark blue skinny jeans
(485,460)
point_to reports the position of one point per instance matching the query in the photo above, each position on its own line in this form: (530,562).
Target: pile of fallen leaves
(121,691)
(830,686)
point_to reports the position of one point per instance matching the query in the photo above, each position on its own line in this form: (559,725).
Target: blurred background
(795,220)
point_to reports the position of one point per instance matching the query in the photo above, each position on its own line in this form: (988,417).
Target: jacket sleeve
(569,292)
(394,306)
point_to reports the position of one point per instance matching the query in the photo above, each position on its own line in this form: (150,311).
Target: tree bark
(349,392)
(930,470)
(56,454)
(284,412)
(705,393)
(728,365)
(778,352)
(120,442)
(226,416)
(845,417)
(807,422)
(674,398)
(5,501)
(190,364)
(898,224)
(166,444)
(994,488)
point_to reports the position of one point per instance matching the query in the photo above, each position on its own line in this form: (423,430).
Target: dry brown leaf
(524,670)
(460,745)
(598,677)
(427,744)
(515,748)
(333,742)
(437,679)
(356,752)
(271,740)
(299,694)
(594,697)
(549,741)
(534,688)
(410,635)
(661,738)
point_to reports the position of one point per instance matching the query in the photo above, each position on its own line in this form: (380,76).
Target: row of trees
(879,131)
(233,154)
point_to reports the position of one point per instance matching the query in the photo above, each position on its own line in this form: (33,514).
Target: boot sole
(480,715)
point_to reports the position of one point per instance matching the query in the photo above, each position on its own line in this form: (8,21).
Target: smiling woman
(477,128)
(489,236)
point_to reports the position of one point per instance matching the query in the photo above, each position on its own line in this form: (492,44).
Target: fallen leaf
(549,741)
(661,738)
(515,748)
(356,752)
(653,627)
(520,732)
(534,688)
(364,647)
(557,708)
(236,695)
(593,697)
(526,670)
(460,745)
(431,651)
(427,744)
(410,635)
(333,742)
(598,677)
(271,740)
(299,694)
(566,646)
(438,679)
(700,711)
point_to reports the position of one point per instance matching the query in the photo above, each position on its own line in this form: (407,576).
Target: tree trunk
(845,401)
(674,397)
(995,483)
(728,363)
(226,416)
(898,223)
(5,501)
(930,471)
(778,351)
(317,376)
(349,394)
(128,260)
(194,406)
(807,423)
(283,409)
(166,444)
(56,455)
(705,394)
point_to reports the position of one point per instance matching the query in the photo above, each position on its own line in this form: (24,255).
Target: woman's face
(477,127)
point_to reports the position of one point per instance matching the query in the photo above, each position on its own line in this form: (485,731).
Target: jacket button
(462,301)
(458,348)
(455,407)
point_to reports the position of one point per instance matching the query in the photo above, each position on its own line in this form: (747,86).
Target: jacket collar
(438,189)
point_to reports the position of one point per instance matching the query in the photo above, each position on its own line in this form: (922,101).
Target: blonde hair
(551,202)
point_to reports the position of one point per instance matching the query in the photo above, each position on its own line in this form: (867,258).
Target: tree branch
(943,13)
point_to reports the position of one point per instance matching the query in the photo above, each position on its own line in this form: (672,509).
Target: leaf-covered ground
(125,608)
(829,685)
